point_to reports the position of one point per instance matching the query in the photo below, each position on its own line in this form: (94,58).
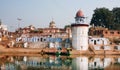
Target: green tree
(102,17)
(116,14)
(67,26)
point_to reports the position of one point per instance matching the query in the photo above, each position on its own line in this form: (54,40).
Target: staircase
(91,49)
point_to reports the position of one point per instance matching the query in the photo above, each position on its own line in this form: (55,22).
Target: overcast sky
(40,12)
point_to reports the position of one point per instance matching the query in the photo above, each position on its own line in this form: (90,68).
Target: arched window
(118,32)
(106,32)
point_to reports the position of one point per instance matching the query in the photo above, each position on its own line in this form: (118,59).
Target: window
(41,39)
(118,32)
(111,32)
(95,63)
(106,32)
(95,42)
(50,35)
(44,39)
(38,40)
(98,40)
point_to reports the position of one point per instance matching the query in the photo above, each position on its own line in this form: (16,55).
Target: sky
(40,13)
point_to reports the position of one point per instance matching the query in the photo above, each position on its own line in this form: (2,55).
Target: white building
(3,29)
(97,43)
(80,32)
(33,42)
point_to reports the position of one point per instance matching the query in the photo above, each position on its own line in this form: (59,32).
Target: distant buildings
(51,31)
(51,34)
(82,36)
(112,35)
(104,32)
(3,31)
(78,33)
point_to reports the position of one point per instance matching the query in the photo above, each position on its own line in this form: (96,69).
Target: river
(53,62)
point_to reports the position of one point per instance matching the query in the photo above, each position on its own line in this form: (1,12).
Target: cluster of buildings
(42,37)
(79,36)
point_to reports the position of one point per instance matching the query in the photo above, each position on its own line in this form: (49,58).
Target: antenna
(52,18)
(19,19)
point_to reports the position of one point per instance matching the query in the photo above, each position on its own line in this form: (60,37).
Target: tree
(115,26)
(67,26)
(116,14)
(102,17)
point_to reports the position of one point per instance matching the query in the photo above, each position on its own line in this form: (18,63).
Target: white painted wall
(3,27)
(107,48)
(118,60)
(97,47)
(99,41)
(25,45)
(80,37)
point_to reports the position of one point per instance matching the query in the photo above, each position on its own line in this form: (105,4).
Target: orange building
(104,32)
(51,31)
(111,33)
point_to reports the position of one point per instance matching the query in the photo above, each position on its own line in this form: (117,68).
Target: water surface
(52,62)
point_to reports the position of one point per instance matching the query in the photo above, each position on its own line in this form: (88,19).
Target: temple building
(52,24)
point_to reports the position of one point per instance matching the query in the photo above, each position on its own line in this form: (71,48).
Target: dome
(52,22)
(79,14)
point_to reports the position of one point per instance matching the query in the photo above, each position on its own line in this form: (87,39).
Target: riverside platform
(63,51)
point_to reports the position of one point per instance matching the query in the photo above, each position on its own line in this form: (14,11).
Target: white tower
(80,32)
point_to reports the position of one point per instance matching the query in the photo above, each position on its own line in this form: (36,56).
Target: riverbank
(19,50)
(58,52)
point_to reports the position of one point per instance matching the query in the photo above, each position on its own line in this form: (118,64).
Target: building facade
(39,36)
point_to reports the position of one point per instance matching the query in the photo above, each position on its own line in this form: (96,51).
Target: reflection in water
(80,63)
(59,62)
